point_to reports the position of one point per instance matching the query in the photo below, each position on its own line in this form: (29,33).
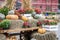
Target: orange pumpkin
(12,17)
(41,30)
(24,18)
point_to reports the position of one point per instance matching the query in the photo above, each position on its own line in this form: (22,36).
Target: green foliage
(53,13)
(53,23)
(29,11)
(50,13)
(4,11)
(5,24)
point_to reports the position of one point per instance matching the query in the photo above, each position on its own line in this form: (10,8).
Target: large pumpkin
(41,30)
(24,18)
(12,17)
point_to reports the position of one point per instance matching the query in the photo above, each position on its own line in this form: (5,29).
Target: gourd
(2,16)
(24,18)
(11,12)
(26,25)
(41,30)
(33,14)
(12,17)
(36,16)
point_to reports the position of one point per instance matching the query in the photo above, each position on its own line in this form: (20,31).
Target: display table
(18,30)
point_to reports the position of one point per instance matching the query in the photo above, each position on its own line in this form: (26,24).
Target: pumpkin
(2,16)
(13,17)
(41,30)
(24,18)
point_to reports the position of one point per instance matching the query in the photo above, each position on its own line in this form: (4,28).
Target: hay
(46,36)
(2,37)
(16,24)
(33,22)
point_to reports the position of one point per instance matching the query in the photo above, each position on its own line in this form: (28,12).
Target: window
(48,8)
(41,6)
(47,0)
(34,0)
(59,4)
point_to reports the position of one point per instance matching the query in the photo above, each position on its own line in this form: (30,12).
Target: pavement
(58,32)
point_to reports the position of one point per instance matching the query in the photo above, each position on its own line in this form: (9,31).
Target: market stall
(27,23)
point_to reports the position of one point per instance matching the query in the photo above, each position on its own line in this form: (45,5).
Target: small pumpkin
(24,18)
(13,17)
(41,30)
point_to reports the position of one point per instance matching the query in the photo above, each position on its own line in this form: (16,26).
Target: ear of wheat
(26,4)
(10,4)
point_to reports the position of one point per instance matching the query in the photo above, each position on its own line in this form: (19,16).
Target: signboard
(29,16)
(50,27)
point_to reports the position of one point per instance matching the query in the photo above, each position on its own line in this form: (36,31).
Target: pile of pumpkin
(4,14)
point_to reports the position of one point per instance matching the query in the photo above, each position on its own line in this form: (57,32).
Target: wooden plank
(18,30)
(22,29)
(3,31)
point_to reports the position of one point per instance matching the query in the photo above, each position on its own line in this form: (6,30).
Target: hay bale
(16,24)
(2,37)
(46,36)
(33,22)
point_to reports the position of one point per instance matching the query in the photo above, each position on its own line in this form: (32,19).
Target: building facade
(45,5)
